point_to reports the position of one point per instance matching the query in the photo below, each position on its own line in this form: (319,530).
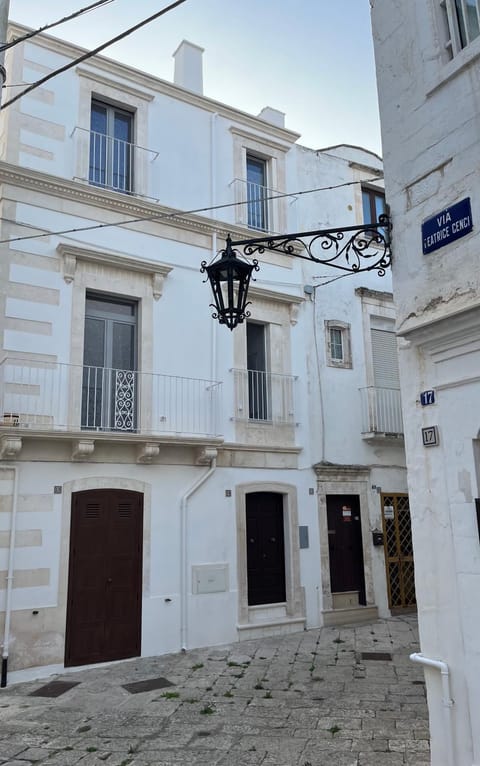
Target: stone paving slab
(306,699)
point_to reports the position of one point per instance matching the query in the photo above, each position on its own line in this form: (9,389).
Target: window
(373,201)
(257,204)
(337,341)
(385,359)
(109,389)
(111,148)
(259,394)
(463,22)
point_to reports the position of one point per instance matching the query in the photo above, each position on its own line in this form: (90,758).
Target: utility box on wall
(210,578)
(377,537)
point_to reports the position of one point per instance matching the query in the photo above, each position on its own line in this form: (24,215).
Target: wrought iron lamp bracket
(350,248)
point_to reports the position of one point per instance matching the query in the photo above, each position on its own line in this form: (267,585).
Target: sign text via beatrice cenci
(447,226)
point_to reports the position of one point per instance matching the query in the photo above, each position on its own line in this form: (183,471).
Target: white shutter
(385,360)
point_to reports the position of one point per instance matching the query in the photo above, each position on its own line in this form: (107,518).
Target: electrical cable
(35,32)
(166,216)
(91,53)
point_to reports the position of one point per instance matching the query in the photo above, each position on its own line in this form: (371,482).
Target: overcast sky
(312,59)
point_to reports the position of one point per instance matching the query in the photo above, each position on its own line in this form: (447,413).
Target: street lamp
(229,278)
(351,249)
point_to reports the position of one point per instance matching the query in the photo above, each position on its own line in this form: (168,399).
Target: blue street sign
(447,226)
(427,397)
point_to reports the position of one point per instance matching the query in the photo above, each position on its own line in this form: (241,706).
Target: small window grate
(149,685)
(379,656)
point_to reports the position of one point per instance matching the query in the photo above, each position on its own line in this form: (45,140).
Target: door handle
(109,579)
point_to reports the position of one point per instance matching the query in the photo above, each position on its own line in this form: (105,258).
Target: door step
(276,627)
(345,600)
(350,615)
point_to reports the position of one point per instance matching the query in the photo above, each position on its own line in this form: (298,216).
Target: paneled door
(265,548)
(104,604)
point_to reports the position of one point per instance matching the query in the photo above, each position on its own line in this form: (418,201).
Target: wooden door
(345,545)
(265,548)
(397,536)
(105,577)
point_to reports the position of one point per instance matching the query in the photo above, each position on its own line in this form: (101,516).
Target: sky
(312,59)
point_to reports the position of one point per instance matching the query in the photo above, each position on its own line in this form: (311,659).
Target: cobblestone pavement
(308,699)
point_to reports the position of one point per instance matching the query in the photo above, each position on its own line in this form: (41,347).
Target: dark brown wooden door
(105,577)
(345,545)
(265,548)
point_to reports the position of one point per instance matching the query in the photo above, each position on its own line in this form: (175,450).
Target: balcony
(255,208)
(112,163)
(381,412)
(68,398)
(264,397)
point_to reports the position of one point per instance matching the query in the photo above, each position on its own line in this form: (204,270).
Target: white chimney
(274,116)
(189,67)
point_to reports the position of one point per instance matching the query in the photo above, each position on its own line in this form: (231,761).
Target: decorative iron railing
(112,163)
(63,397)
(255,207)
(381,410)
(264,397)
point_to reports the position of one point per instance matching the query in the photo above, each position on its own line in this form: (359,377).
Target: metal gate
(397,535)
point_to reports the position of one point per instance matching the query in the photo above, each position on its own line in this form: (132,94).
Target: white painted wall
(199,143)
(430,115)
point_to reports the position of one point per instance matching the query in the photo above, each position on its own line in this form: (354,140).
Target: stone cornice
(232,447)
(70,254)
(283,147)
(273,295)
(136,78)
(90,75)
(376,295)
(129,206)
(333,470)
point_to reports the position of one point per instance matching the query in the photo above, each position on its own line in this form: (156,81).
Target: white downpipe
(184,553)
(213,162)
(446,700)
(213,201)
(11,555)
(214,325)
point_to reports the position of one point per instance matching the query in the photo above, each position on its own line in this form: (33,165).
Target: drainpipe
(213,367)
(213,161)
(213,200)
(210,455)
(447,700)
(11,551)
(4,9)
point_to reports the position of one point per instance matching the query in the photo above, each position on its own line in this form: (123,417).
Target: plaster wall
(39,611)
(200,147)
(430,116)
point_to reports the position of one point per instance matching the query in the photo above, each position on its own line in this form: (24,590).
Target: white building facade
(427,58)
(166,484)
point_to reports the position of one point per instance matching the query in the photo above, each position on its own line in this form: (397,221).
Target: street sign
(427,397)
(446,226)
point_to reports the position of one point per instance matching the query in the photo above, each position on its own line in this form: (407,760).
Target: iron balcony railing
(264,397)
(111,162)
(255,207)
(381,410)
(64,397)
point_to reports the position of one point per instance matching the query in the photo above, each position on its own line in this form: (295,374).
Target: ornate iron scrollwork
(352,248)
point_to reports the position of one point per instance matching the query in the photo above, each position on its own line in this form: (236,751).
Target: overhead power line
(169,216)
(91,53)
(34,32)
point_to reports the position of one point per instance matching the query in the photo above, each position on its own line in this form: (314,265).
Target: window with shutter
(385,361)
